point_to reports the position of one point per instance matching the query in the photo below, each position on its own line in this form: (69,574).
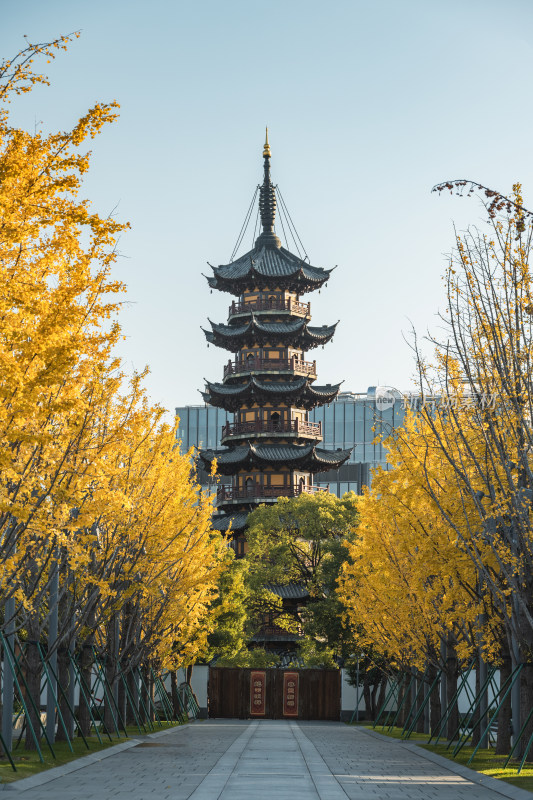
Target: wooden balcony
(291,426)
(275,304)
(259,493)
(295,365)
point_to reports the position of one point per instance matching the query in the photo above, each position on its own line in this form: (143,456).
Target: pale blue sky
(368,104)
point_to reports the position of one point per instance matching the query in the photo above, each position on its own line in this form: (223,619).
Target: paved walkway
(266,760)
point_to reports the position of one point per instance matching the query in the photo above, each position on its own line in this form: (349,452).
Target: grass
(485,761)
(28,763)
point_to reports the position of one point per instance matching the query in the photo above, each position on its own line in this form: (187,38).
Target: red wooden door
(274,693)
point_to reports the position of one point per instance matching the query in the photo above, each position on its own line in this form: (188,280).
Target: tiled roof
(308,456)
(267,262)
(223,522)
(231,395)
(296,332)
(288,591)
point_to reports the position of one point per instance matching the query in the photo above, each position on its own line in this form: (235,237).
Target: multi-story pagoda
(271,449)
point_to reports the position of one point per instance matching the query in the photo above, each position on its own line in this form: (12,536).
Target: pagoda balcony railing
(257,492)
(270,365)
(296,426)
(274,304)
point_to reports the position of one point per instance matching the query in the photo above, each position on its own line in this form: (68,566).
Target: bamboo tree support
(401,705)
(162,696)
(131,702)
(109,693)
(518,739)
(71,708)
(8,689)
(395,687)
(183,718)
(452,702)
(526,751)
(506,688)
(52,708)
(423,705)
(34,704)
(51,689)
(8,654)
(191,702)
(7,752)
(160,688)
(72,685)
(150,701)
(467,731)
(87,696)
(141,701)
(168,701)
(413,706)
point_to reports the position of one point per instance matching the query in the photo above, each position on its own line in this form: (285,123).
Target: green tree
(301,541)
(230,611)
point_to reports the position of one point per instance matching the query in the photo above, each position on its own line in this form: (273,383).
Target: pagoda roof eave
(299,391)
(297,333)
(265,265)
(307,457)
(229,522)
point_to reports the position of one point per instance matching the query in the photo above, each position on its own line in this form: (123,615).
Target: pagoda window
(301,485)
(275,419)
(249,485)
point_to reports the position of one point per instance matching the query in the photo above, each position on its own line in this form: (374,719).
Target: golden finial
(266,149)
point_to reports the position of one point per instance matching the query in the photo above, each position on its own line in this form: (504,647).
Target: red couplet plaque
(290,694)
(257,693)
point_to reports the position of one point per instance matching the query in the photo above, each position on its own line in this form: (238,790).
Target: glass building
(351,420)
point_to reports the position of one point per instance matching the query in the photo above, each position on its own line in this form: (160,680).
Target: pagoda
(271,449)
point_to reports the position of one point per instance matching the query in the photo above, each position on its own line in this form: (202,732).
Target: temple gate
(274,693)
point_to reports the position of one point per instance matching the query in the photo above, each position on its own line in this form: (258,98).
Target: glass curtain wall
(352,420)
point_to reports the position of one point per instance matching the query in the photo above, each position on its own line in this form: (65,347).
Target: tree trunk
(435,708)
(146,692)
(33,681)
(188,673)
(121,697)
(526,684)
(63,679)
(111,721)
(526,704)
(174,694)
(86,674)
(421,687)
(132,708)
(402,700)
(382,691)
(411,701)
(503,742)
(474,719)
(451,688)
(368,701)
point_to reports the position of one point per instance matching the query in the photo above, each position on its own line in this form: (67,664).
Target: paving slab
(266,760)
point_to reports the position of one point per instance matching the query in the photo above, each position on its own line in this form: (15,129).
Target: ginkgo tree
(455,536)
(100,518)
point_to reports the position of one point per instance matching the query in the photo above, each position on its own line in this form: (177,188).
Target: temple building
(271,448)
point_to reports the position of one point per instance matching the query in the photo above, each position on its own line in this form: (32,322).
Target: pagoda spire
(267,202)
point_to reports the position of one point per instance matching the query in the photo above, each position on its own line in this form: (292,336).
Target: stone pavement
(267,760)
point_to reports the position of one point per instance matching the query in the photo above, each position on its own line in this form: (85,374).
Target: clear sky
(369,103)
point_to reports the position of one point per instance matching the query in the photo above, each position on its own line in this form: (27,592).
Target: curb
(79,763)
(495,785)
